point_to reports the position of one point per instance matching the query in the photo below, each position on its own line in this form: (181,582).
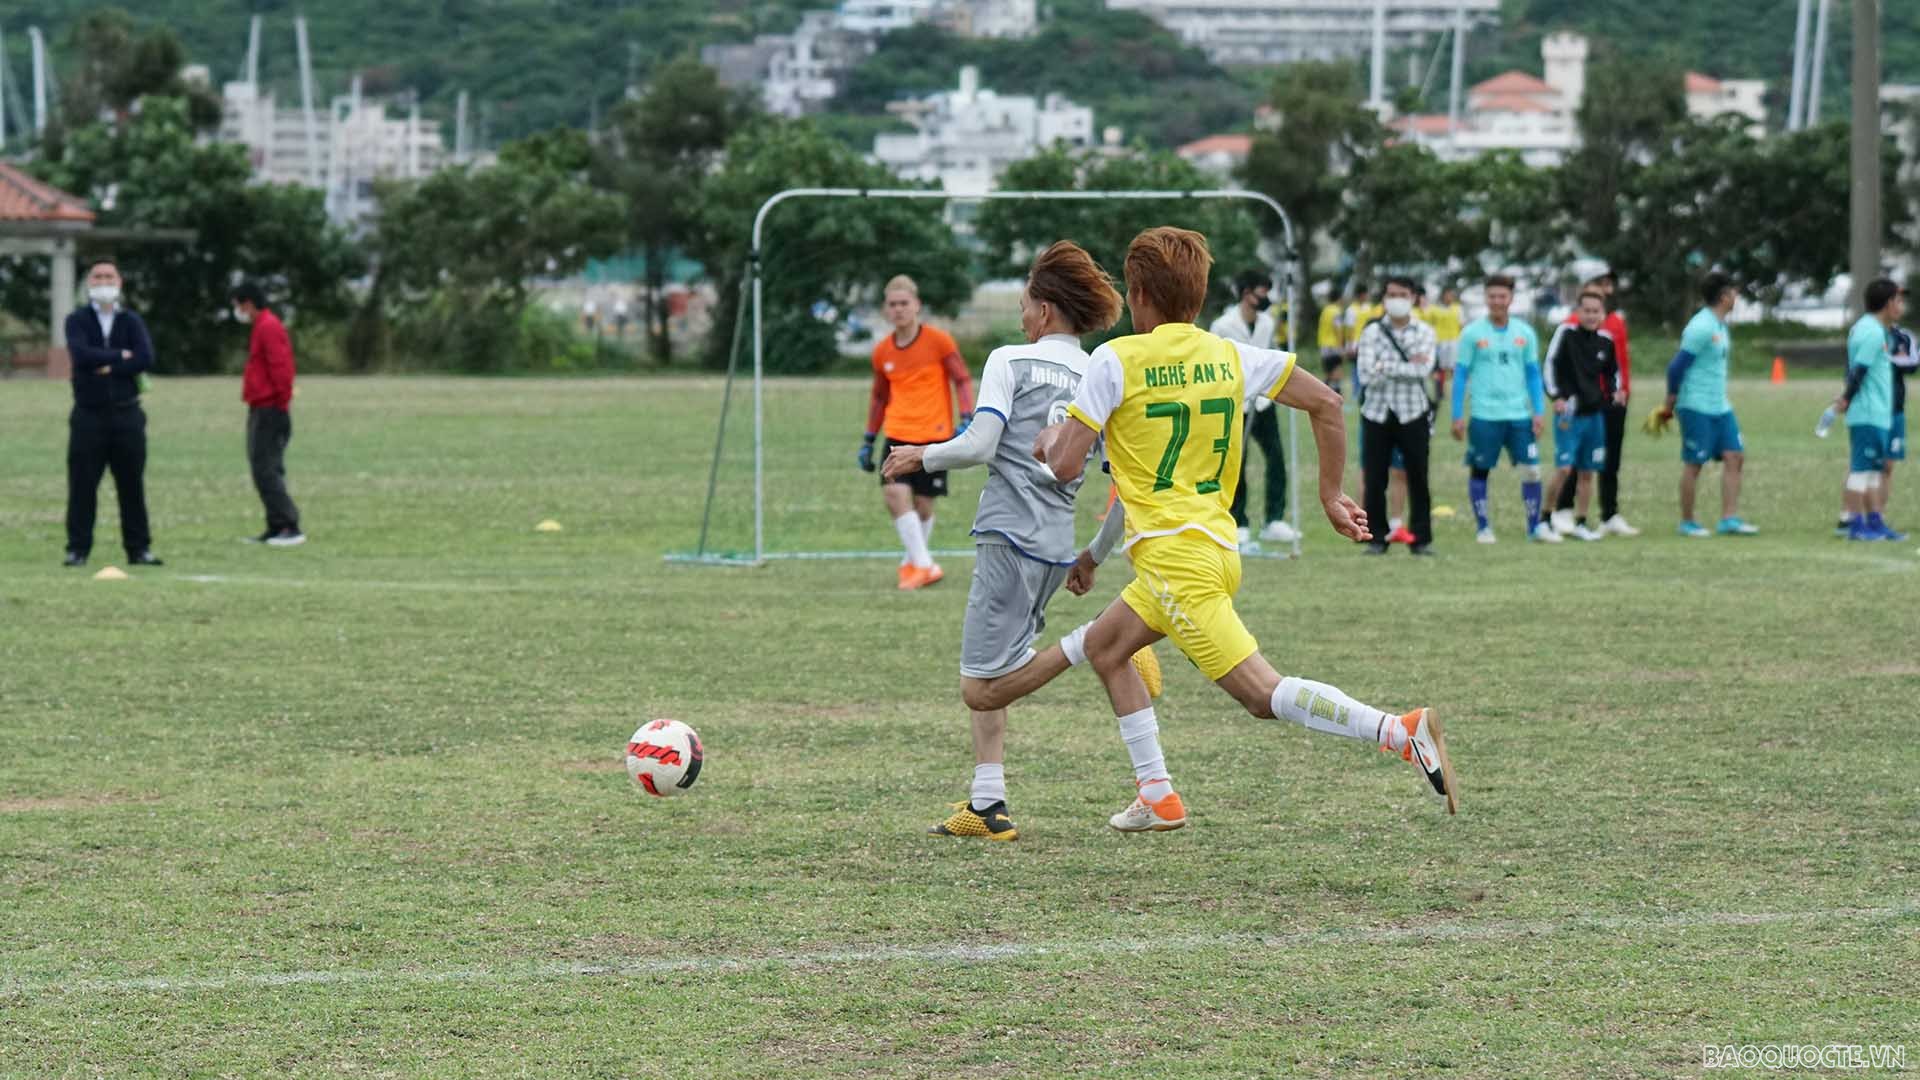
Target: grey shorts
(1006,610)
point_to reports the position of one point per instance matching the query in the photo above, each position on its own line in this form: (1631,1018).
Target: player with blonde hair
(917,373)
(1169,400)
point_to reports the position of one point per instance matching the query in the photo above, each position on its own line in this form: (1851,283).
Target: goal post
(1285,278)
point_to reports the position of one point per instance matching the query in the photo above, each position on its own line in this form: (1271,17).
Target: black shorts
(931,485)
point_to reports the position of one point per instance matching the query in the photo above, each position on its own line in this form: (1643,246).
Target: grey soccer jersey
(1029,386)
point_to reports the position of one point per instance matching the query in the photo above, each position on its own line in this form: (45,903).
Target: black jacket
(90,353)
(1581,365)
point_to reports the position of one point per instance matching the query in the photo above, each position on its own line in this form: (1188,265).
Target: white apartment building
(1514,110)
(880,16)
(349,150)
(796,73)
(1708,97)
(968,18)
(1280,31)
(965,137)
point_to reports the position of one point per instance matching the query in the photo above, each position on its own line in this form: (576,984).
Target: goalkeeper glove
(866,453)
(966,418)
(1657,422)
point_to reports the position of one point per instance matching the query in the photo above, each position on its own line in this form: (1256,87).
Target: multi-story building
(796,73)
(1514,110)
(1281,31)
(1708,97)
(349,148)
(965,137)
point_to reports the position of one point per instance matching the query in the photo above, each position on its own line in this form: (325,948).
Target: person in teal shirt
(1498,367)
(1697,393)
(1868,403)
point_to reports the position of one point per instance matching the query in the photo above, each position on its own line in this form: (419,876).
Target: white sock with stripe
(989,785)
(1320,707)
(913,538)
(1141,732)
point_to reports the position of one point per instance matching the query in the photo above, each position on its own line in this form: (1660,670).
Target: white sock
(926,530)
(1320,707)
(1074,645)
(1141,732)
(915,541)
(1393,524)
(989,785)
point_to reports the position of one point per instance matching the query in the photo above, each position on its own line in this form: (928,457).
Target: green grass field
(357,808)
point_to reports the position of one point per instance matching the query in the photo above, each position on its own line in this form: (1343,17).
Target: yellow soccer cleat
(1148,665)
(991,823)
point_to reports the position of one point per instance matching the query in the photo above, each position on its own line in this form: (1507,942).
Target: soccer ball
(663,757)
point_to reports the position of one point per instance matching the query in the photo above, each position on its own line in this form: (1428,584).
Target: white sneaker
(1582,532)
(287,538)
(1618,526)
(1168,813)
(1485,536)
(1563,522)
(1279,532)
(1544,533)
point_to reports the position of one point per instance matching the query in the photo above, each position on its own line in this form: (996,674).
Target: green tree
(114,65)
(1012,232)
(457,251)
(1626,120)
(1520,206)
(658,153)
(1402,210)
(838,250)
(1320,128)
(149,173)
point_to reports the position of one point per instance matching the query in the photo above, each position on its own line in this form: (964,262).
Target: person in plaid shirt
(1395,361)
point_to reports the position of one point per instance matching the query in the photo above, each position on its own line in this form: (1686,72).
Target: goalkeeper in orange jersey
(917,374)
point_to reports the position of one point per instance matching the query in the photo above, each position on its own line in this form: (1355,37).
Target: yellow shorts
(1183,586)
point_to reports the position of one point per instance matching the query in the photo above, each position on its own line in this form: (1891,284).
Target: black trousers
(268,433)
(1377,441)
(1616,416)
(1263,430)
(98,439)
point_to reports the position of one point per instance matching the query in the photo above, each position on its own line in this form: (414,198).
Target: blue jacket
(90,353)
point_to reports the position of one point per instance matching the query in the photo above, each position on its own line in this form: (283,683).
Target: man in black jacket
(108,430)
(1582,376)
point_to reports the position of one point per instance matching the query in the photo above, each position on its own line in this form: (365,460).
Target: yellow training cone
(548,525)
(1443,511)
(110,573)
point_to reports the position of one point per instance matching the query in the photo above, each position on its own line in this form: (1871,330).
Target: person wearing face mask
(107,430)
(1251,323)
(267,388)
(1396,362)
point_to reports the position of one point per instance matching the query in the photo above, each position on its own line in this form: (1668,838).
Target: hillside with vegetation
(532,64)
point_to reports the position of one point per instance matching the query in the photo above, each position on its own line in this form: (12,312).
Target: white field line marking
(347,583)
(1455,930)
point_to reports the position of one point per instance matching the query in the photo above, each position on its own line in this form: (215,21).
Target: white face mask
(1399,307)
(104,294)
(241,317)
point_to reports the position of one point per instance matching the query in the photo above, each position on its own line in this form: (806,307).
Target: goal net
(783,475)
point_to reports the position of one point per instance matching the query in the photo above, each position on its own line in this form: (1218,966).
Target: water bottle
(1826,423)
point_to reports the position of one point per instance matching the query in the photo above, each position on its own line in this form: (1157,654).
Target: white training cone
(110,573)
(548,525)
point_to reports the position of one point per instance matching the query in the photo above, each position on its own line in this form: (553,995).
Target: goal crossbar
(1284,275)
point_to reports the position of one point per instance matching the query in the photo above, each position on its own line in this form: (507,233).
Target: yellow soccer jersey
(1330,317)
(1445,320)
(1172,406)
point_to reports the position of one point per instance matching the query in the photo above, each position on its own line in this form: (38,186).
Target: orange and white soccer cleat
(1161,815)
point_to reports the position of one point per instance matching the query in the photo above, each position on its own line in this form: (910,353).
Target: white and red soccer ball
(663,757)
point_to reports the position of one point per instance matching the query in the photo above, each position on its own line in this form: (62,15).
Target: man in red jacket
(267,388)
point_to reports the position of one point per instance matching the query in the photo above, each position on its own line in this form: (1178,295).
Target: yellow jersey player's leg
(1169,402)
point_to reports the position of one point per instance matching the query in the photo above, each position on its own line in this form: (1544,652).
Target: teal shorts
(1580,442)
(1708,437)
(1487,438)
(1868,445)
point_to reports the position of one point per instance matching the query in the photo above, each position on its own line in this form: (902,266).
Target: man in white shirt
(1250,323)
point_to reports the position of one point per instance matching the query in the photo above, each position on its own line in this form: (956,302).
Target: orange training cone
(1779,370)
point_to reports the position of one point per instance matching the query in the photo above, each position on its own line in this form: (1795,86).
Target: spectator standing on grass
(1250,323)
(1332,340)
(1614,416)
(1905,359)
(1582,377)
(267,387)
(1499,372)
(107,429)
(1396,361)
(1868,403)
(1697,394)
